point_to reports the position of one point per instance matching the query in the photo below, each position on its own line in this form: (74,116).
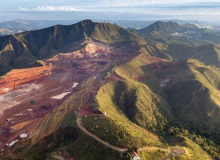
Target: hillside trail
(98,139)
(179,151)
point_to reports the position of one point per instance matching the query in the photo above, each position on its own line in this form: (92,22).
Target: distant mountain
(25,48)
(160,27)
(21,25)
(17,26)
(132,24)
(188,33)
(166,28)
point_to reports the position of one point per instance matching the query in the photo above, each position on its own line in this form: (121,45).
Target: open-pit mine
(27,95)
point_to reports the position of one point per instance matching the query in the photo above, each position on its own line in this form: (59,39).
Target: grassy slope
(153,155)
(113,133)
(52,137)
(208,54)
(156,50)
(111,33)
(149,94)
(107,104)
(68,141)
(192,150)
(192,90)
(140,67)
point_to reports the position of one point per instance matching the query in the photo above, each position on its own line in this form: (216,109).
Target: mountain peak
(164,23)
(161,27)
(86,22)
(164,28)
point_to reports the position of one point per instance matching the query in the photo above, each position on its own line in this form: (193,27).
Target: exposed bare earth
(27,95)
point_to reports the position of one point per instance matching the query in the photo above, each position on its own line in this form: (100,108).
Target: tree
(33,102)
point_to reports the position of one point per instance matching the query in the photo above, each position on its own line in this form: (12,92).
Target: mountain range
(188,33)
(25,48)
(155,92)
(17,26)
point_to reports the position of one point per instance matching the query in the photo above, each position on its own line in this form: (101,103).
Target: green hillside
(141,101)
(111,33)
(208,54)
(109,97)
(194,94)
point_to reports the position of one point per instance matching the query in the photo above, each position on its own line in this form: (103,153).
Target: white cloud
(129,3)
(53,8)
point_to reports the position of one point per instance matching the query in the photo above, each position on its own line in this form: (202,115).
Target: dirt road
(98,139)
(153,148)
(173,151)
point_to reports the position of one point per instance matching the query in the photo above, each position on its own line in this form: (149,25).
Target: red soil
(53,81)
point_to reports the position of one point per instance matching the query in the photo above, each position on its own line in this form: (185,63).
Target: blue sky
(203,10)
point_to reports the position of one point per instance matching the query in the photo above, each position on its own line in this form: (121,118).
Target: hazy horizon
(202,10)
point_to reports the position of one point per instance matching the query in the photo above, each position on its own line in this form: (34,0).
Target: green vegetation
(208,54)
(192,149)
(153,154)
(91,118)
(106,72)
(33,102)
(139,67)
(111,33)
(132,70)
(108,103)
(70,140)
(191,91)
(69,121)
(149,99)
(109,131)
